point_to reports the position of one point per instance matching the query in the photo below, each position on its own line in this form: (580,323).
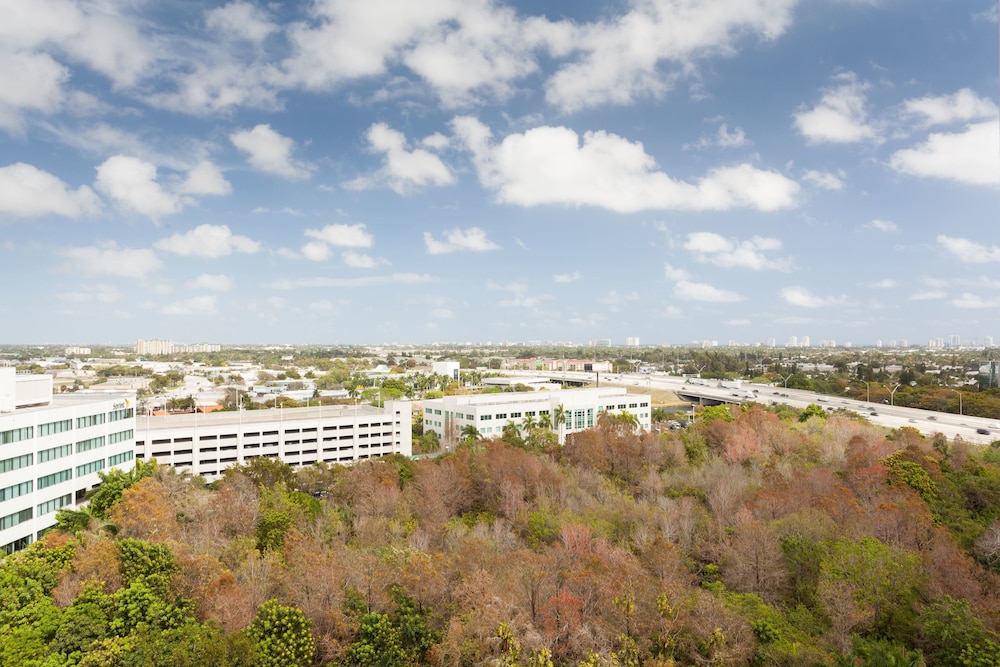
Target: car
(983,431)
(913,421)
(873,413)
(932,418)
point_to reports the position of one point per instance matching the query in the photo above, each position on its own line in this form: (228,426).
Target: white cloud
(723,138)
(675,274)
(731,253)
(206,179)
(840,116)
(970,156)
(403,170)
(107,259)
(962,106)
(800,296)
(969,252)
(210,241)
(928,295)
(196,305)
(366,281)
(969,300)
(242,21)
(824,179)
(213,282)
(472,239)
(628,57)
(345,236)
(885,283)
(886,226)
(102,293)
(27,192)
(131,182)
(567,277)
(687,290)
(524,301)
(516,288)
(615,301)
(29,83)
(270,152)
(550,165)
(316,251)
(359,260)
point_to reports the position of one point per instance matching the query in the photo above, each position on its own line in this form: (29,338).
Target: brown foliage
(146,512)
(95,561)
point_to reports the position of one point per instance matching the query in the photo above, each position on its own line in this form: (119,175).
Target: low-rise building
(52,448)
(207,444)
(489,413)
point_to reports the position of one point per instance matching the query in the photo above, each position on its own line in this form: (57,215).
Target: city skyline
(664,171)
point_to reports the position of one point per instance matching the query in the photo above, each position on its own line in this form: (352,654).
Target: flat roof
(268,416)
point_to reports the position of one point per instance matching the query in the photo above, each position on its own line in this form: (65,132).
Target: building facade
(52,449)
(207,444)
(489,413)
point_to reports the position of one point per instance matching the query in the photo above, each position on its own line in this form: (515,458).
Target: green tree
(379,643)
(283,636)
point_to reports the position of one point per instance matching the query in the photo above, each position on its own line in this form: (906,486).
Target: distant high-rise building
(154,346)
(954,340)
(770,342)
(904,343)
(632,341)
(804,342)
(793,341)
(987,341)
(82,351)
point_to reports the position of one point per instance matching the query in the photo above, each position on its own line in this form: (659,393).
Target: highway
(924,421)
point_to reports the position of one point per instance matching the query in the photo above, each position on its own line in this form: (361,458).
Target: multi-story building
(52,448)
(489,413)
(207,444)
(154,347)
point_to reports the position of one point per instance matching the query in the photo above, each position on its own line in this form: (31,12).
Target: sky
(392,171)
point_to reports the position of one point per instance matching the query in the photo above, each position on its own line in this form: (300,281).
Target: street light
(787,378)
(892,392)
(959,400)
(868,388)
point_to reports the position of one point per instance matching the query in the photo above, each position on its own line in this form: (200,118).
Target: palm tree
(470,433)
(559,418)
(529,423)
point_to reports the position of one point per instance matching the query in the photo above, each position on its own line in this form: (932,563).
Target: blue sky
(466,170)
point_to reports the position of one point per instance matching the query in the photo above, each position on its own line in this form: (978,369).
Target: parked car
(983,431)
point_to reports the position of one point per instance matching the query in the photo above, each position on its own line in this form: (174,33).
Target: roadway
(924,421)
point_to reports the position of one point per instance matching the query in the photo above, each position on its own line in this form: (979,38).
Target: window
(53,453)
(90,420)
(118,415)
(121,458)
(55,427)
(91,443)
(16,545)
(12,520)
(88,468)
(502,415)
(633,406)
(16,462)
(121,436)
(54,478)
(16,435)
(484,418)
(54,504)
(15,490)
(515,415)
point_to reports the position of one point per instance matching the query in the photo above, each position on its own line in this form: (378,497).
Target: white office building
(52,448)
(489,413)
(207,444)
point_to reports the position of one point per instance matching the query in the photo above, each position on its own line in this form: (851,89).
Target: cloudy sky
(473,170)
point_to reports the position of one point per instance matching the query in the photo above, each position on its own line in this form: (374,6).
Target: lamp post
(868,388)
(959,400)
(892,392)
(787,378)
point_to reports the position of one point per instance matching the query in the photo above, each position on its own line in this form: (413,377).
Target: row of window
(55,427)
(89,444)
(118,415)
(88,468)
(16,435)
(12,520)
(16,462)
(15,490)
(16,545)
(54,504)
(53,453)
(54,478)
(121,436)
(120,458)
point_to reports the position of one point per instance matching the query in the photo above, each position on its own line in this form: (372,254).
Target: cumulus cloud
(962,106)
(195,305)
(928,295)
(615,301)
(886,226)
(403,169)
(800,296)
(107,259)
(567,277)
(824,179)
(688,290)
(360,260)
(206,179)
(455,240)
(731,253)
(968,251)
(554,165)
(969,156)
(317,251)
(28,192)
(101,293)
(29,83)
(674,273)
(366,281)
(240,21)
(270,152)
(132,183)
(723,138)
(969,300)
(209,241)
(345,236)
(840,115)
(213,282)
